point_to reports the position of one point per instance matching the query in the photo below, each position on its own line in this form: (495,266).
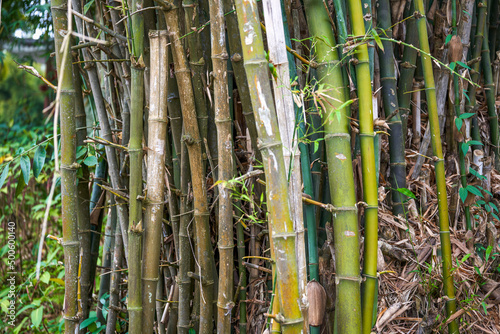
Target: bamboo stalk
(225,168)
(285,111)
(370,191)
(135,226)
(114,290)
(439,166)
(281,225)
(341,177)
(193,142)
(156,174)
(235,49)
(70,240)
(471,105)
(391,107)
(489,89)
(407,68)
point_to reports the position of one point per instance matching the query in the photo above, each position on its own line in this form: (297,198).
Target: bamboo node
(150,279)
(236,57)
(76,318)
(263,146)
(70,243)
(339,278)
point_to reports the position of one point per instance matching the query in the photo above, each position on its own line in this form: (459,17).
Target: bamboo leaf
(475,142)
(377,40)
(474,190)
(465,148)
(87,6)
(448,38)
(4,174)
(25,168)
(466,115)
(90,161)
(488,253)
(493,206)
(407,192)
(85,323)
(458,123)
(453,65)
(464,65)
(39,160)
(476,174)
(463,194)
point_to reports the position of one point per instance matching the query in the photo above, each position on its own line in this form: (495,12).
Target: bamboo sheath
(449,288)
(225,167)
(370,191)
(281,226)
(193,143)
(69,166)
(338,149)
(156,174)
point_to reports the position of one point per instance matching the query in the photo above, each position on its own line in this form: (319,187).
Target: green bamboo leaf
(463,194)
(466,115)
(476,174)
(458,123)
(453,65)
(475,142)
(90,161)
(4,174)
(448,38)
(37,316)
(87,6)
(465,148)
(85,323)
(484,307)
(488,253)
(25,168)
(39,160)
(463,65)
(495,216)
(81,151)
(378,40)
(407,192)
(493,206)
(20,186)
(474,190)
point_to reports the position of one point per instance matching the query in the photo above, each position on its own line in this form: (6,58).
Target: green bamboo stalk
(341,177)
(281,225)
(370,191)
(391,109)
(407,68)
(439,166)
(471,105)
(225,168)
(341,18)
(235,49)
(489,89)
(156,175)
(193,142)
(135,228)
(69,166)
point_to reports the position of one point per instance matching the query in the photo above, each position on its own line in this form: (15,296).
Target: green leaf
(85,323)
(192,331)
(475,142)
(488,253)
(453,65)
(466,115)
(474,190)
(495,216)
(81,151)
(25,168)
(407,192)
(493,206)
(463,65)
(476,174)
(378,40)
(448,38)
(45,278)
(37,316)
(39,160)
(316,146)
(465,148)
(20,186)
(463,194)
(87,6)
(90,161)
(458,123)
(4,174)
(484,307)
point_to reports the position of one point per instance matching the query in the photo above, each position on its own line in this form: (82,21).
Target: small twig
(100,26)
(31,70)
(254,266)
